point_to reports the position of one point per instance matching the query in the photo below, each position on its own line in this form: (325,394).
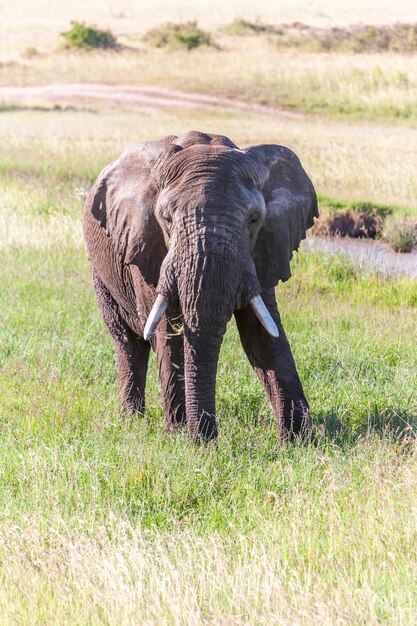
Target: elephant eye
(254,219)
(168,219)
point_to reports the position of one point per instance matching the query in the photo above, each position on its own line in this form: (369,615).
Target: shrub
(30,52)
(358,219)
(183,35)
(242,28)
(356,224)
(401,233)
(88,37)
(359,38)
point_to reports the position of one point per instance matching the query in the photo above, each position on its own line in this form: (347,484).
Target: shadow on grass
(388,424)
(328,426)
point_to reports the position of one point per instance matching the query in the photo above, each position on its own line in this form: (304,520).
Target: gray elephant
(181,234)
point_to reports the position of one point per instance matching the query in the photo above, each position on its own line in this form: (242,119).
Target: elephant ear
(123,201)
(291,206)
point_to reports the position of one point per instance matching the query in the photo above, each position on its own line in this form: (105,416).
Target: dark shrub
(359,220)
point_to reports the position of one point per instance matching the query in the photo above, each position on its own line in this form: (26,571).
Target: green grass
(105,520)
(85,491)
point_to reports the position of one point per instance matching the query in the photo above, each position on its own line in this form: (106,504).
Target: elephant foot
(203,430)
(132,407)
(294,420)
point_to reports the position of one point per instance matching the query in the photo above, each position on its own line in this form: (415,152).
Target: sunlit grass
(379,87)
(329,536)
(104,520)
(348,162)
(132,17)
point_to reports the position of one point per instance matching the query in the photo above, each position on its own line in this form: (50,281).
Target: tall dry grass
(351,162)
(377,87)
(340,552)
(28,19)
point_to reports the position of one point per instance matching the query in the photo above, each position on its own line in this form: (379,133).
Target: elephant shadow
(328,426)
(389,424)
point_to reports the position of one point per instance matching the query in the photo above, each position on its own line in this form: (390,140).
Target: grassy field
(379,88)
(346,162)
(112,521)
(108,521)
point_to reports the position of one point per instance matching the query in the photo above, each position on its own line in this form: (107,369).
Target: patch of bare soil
(127,97)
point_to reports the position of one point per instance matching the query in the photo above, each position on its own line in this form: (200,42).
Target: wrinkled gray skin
(207,226)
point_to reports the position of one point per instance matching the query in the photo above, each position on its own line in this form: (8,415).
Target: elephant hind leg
(132,352)
(273,362)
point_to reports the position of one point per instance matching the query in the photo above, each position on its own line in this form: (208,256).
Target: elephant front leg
(132,352)
(169,348)
(273,362)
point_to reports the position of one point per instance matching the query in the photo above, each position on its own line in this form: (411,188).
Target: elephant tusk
(264,315)
(155,315)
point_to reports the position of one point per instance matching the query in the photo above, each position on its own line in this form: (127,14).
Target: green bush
(401,233)
(183,35)
(88,37)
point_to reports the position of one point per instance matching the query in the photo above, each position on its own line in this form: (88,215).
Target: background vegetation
(111,521)
(84,37)
(186,35)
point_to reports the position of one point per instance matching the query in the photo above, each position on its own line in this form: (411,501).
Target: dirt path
(144,97)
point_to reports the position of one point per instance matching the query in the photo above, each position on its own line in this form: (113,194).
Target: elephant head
(210,227)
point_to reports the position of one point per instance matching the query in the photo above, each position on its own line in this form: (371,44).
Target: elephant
(181,234)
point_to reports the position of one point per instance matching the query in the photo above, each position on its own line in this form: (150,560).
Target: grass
(245,28)
(299,558)
(359,38)
(347,163)
(20,19)
(105,520)
(380,88)
(401,233)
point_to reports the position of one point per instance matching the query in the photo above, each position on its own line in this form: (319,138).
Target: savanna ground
(112,521)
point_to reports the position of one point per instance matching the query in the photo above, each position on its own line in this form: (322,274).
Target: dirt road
(127,97)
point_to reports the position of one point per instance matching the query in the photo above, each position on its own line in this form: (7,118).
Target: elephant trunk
(210,287)
(209,280)
(200,367)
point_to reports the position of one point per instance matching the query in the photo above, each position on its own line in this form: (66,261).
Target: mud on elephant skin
(184,233)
